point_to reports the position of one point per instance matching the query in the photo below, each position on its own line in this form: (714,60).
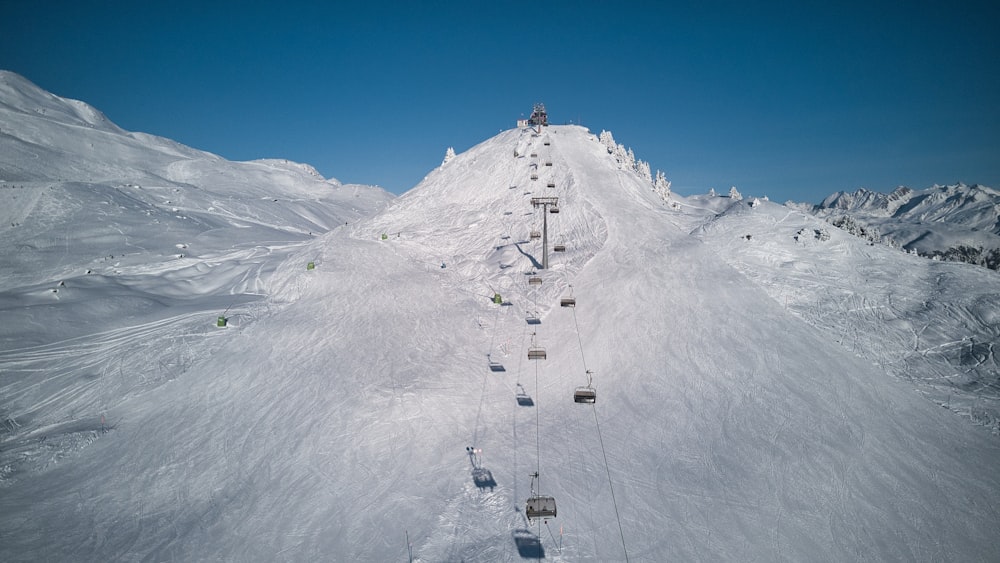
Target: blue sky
(791,100)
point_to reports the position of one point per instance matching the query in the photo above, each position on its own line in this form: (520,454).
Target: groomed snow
(330,419)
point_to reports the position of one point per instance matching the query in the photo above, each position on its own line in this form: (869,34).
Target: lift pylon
(545,203)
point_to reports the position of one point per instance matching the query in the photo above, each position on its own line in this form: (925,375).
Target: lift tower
(545,203)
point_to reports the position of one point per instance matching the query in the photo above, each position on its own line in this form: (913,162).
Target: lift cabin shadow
(523,398)
(483,478)
(529,546)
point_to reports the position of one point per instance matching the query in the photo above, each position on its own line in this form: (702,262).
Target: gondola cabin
(567,302)
(536,353)
(540,507)
(586,395)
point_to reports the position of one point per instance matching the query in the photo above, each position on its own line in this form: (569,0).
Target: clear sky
(793,100)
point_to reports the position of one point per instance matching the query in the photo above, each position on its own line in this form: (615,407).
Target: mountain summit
(404,386)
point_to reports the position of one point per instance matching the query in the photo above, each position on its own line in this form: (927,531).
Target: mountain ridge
(954,222)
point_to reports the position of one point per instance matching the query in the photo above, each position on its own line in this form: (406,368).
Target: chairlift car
(567,302)
(540,507)
(553,209)
(587,395)
(547,143)
(534,176)
(559,248)
(548,163)
(535,352)
(535,235)
(551,185)
(535,280)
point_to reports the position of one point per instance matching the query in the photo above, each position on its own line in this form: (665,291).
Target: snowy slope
(91,212)
(100,275)
(936,221)
(932,324)
(334,422)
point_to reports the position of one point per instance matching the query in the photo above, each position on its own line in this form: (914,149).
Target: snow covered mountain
(86,205)
(761,380)
(957,222)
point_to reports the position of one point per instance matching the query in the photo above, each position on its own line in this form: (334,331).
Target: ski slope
(740,416)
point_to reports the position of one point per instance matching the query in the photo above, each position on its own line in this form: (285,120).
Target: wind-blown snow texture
(756,394)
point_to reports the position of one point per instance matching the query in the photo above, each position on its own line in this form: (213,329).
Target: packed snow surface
(760,392)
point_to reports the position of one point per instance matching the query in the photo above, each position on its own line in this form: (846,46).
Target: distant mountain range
(956,222)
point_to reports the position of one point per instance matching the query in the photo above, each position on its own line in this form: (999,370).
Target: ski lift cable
(493,338)
(538,433)
(611,485)
(579,339)
(600,437)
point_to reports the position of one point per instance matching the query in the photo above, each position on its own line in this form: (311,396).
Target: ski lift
(534,155)
(547,143)
(559,248)
(586,394)
(539,506)
(535,352)
(535,235)
(553,209)
(548,163)
(534,176)
(551,185)
(568,301)
(535,281)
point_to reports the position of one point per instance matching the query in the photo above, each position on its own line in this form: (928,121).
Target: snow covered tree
(448,155)
(661,185)
(608,140)
(735,194)
(642,167)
